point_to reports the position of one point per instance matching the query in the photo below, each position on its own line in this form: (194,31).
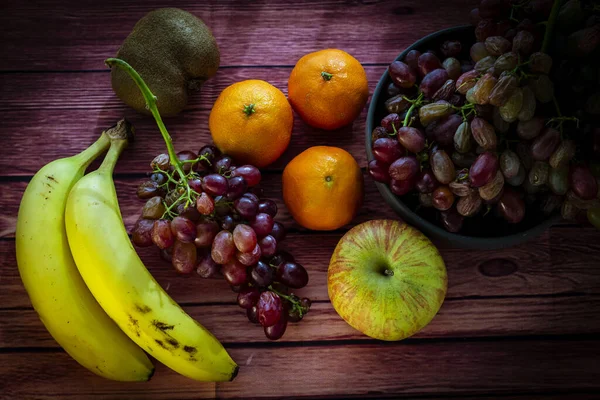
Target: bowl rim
(412,217)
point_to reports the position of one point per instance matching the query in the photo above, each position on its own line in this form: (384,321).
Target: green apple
(386,279)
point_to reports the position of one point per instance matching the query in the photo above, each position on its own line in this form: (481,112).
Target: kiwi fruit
(174,52)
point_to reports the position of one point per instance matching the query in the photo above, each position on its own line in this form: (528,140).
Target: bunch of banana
(119,282)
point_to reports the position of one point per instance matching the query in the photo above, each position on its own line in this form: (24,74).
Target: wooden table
(517,323)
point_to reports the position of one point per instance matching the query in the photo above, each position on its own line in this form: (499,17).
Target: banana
(126,290)
(55,287)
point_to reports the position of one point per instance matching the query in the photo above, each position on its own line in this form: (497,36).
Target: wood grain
(80,36)
(78,107)
(564,315)
(535,275)
(365,370)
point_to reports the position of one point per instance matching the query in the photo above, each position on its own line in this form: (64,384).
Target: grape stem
(414,104)
(151,99)
(292,299)
(550,26)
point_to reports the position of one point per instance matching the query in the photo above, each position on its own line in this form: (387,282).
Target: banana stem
(150,99)
(91,153)
(116,148)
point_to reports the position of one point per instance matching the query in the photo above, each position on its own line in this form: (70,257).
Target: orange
(323,188)
(251,121)
(328,88)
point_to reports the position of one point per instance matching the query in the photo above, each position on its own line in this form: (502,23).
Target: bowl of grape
(485,135)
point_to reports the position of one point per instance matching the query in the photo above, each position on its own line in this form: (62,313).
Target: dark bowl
(480,232)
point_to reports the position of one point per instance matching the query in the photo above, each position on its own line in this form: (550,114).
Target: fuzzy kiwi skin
(174,52)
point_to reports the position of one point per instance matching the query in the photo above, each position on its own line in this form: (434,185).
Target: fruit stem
(326,75)
(410,110)
(388,272)
(249,109)
(151,104)
(116,148)
(550,26)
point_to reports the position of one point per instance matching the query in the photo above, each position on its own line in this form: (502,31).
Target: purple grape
(379,171)
(402,75)
(235,273)
(210,153)
(262,274)
(278,231)
(250,173)
(205,204)
(404,168)
(412,139)
(162,235)
(262,224)
(427,63)
(244,238)
(236,187)
(222,165)
(250,258)
(141,234)
(426,181)
(252,314)
(387,150)
(205,233)
(215,185)
(227,223)
(483,169)
(293,275)
(246,207)
(252,196)
(195,185)
(184,257)
(223,248)
(208,268)
(276,331)
(267,206)
(268,246)
(183,229)
(248,297)
(433,81)
(400,188)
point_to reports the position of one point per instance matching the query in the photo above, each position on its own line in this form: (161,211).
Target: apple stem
(388,272)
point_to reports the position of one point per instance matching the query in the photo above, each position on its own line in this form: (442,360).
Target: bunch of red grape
(482,131)
(210,221)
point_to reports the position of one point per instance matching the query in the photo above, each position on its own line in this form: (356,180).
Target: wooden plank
(456,319)
(131,207)
(254,33)
(524,270)
(366,370)
(45,376)
(75,108)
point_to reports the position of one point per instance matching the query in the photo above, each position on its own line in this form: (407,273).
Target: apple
(386,279)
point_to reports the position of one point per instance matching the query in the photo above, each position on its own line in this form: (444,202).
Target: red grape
(428,62)
(270,308)
(483,169)
(379,171)
(433,81)
(250,173)
(404,168)
(387,150)
(183,229)
(205,204)
(276,331)
(184,257)
(234,272)
(452,221)
(511,207)
(236,186)
(444,129)
(412,60)
(442,198)
(187,155)
(262,224)
(251,257)
(208,268)
(162,235)
(205,233)
(196,185)
(215,185)
(244,238)
(223,247)
(545,144)
(583,183)
(292,275)
(401,74)
(209,153)
(252,314)
(248,296)
(141,234)
(412,139)
(400,188)
(391,122)
(268,246)
(246,207)
(426,182)
(251,196)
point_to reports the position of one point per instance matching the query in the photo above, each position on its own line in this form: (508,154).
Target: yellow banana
(126,290)
(57,292)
